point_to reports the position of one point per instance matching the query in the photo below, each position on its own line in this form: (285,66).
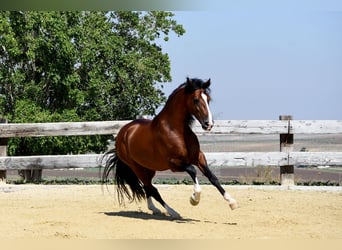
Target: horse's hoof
(233,205)
(193,201)
(172,212)
(157,212)
(175,215)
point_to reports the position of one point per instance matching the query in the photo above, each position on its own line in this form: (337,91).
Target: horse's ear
(206,84)
(190,86)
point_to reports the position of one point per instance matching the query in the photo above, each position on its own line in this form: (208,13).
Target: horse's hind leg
(152,191)
(150,205)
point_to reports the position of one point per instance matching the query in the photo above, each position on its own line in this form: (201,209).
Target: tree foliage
(80,66)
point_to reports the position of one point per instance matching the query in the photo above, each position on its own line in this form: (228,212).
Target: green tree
(80,66)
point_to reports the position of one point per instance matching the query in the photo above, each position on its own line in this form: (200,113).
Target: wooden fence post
(3,152)
(286,145)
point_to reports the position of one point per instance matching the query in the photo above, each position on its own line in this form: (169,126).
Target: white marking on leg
(196,196)
(227,197)
(197,187)
(152,207)
(171,212)
(231,201)
(210,117)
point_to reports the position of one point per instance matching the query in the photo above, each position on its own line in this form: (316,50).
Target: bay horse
(166,142)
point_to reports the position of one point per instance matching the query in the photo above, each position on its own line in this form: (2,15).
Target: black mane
(192,85)
(195,84)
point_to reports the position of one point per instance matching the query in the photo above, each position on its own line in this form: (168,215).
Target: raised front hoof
(233,205)
(193,201)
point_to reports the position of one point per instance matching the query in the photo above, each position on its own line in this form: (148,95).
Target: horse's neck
(175,117)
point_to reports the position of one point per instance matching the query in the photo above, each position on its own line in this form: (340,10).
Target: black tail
(123,175)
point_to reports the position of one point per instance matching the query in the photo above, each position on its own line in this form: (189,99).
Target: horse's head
(198,101)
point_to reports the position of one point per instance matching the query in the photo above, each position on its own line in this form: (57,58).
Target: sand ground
(87,212)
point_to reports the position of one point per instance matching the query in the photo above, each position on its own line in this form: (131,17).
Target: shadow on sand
(161,217)
(147,216)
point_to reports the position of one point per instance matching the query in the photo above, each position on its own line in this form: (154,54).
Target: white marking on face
(210,117)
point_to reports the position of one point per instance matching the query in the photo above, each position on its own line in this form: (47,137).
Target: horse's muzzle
(207,126)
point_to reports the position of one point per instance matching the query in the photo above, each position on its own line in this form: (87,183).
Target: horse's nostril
(206,125)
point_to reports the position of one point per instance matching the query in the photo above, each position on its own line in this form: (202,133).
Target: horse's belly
(146,154)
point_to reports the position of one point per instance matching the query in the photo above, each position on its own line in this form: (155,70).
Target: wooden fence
(286,159)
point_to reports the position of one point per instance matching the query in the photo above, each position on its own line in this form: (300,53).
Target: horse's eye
(196,101)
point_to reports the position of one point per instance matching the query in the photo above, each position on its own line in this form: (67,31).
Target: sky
(262,62)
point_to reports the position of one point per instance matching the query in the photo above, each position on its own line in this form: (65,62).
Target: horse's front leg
(178,165)
(203,166)
(196,196)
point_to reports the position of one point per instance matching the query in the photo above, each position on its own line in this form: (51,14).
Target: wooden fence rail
(215,160)
(219,159)
(8,130)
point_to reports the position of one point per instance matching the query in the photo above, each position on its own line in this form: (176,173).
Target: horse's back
(133,131)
